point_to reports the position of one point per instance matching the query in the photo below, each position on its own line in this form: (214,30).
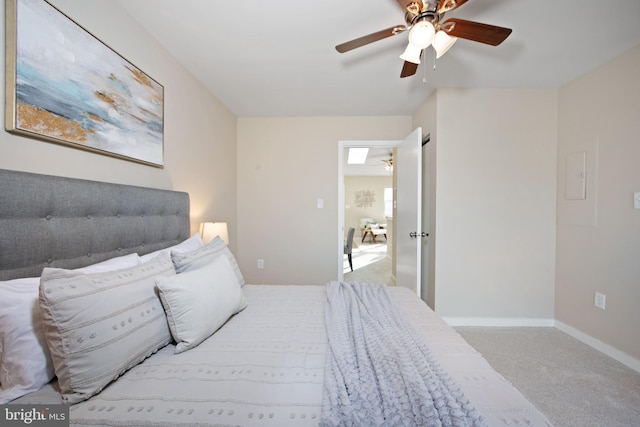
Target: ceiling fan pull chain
(424,69)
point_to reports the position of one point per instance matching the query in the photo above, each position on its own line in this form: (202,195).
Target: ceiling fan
(426,27)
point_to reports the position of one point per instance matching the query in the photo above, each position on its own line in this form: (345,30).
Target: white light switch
(320,203)
(636,200)
(600,300)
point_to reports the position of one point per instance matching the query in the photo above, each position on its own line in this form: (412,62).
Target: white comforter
(265,367)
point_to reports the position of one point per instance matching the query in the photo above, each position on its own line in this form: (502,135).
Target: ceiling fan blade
(408,69)
(470,30)
(449,5)
(365,40)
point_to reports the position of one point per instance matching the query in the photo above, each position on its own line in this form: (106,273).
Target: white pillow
(187,261)
(99,325)
(191,244)
(25,362)
(200,301)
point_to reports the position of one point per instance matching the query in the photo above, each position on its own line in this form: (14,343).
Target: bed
(99,312)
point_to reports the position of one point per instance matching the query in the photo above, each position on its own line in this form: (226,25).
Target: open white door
(409,211)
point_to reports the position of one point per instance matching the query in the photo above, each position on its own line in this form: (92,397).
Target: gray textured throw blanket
(378,372)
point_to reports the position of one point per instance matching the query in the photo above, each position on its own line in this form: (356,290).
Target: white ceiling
(277,58)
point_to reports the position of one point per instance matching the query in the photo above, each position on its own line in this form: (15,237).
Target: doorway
(409,262)
(365,201)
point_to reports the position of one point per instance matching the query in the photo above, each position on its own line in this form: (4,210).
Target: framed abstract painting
(64,85)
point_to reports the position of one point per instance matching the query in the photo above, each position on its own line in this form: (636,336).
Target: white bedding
(265,367)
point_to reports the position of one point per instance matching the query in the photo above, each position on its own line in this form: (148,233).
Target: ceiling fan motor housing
(425,11)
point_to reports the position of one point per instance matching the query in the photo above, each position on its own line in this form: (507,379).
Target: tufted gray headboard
(49,221)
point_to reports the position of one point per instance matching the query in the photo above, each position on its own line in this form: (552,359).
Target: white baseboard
(498,321)
(612,352)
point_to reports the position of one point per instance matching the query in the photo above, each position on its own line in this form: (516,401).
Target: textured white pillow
(97,326)
(25,362)
(200,301)
(191,244)
(187,261)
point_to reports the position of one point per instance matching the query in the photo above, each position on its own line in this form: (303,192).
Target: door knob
(415,234)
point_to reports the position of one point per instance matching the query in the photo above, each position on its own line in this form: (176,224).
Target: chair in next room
(349,246)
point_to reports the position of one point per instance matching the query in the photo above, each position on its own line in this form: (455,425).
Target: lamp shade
(421,34)
(209,230)
(411,54)
(442,42)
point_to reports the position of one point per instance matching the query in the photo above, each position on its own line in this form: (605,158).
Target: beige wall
(284,166)
(200,133)
(598,240)
(354,213)
(494,204)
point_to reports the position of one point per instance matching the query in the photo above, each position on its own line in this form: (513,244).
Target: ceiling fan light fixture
(411,54)
(388,165)
(442,42)
(422,34)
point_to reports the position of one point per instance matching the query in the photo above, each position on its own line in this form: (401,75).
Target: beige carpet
(573,384)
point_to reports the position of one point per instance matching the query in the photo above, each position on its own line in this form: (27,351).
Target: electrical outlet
(260,263)
(600,300)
